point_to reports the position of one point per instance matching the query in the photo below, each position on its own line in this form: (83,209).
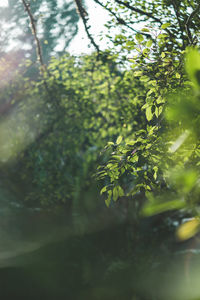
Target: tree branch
(39,52)
(120,20)
(179,21)
(137,10)
(34,31)
(84,16)
(188,22)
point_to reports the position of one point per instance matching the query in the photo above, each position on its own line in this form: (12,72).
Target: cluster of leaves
(64,120)
(134,164)
(84,103)
(161,161)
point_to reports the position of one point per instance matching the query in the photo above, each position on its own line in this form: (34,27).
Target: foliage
(131,116)
(159,161)
(136,98)
(71,120)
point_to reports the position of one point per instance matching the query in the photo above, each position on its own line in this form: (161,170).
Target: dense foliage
(127,103)
(119,126)
(160,160)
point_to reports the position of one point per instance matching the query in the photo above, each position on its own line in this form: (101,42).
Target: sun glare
(3,3)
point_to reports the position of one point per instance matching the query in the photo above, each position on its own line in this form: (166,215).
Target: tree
(146,164)
(56,24)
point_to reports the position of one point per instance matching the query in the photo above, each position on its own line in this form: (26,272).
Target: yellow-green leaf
(149,114)
(193,66)
(188,229)
(165,25)
(119,139)
(149,43)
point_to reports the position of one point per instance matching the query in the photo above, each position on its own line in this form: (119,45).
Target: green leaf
(103,190)
(119,139)
(120,191)
(149,114)
(108,200)
(115,193)
(145,29)
(152,208)
(187,230)
(162,54)
(162,36)
(149,43)
(138,73)
(193,66)
(145,51)
(144,78)
(165,25)
(155,172)
(178,75)
(139,37)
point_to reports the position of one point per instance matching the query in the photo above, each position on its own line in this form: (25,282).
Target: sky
(3,3)
(97,18)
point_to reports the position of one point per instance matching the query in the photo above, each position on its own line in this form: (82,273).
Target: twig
(84,16)
(144,13)
(187,24)
(179,21)
(34,31)
(137,10)
(120,20)
(39,51)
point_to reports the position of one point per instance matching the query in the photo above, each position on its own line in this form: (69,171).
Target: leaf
(120,191)
(149,43)
(119,139)
(155,172)
(157,112)
(149,114)
(145,106)
(193,66)
(162,54)
(108,200)
(138,73)
(145,51)
(165,25)
(144,78)
(178,75)
(162,36)
(139,37)
(153,208)
(103,190)
(145,30)
(115,193)
(188,229)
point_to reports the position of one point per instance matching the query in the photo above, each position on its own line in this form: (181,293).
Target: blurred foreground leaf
(188,229)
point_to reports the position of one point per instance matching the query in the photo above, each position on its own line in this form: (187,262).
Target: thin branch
(137,10)
(39,52)
(188,22)
(144,13)
(84,16)
(178,19)
(34,31)
(120,20)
